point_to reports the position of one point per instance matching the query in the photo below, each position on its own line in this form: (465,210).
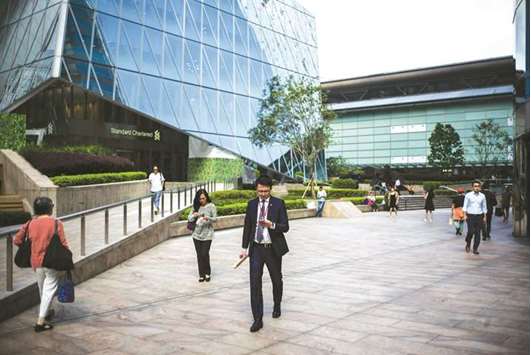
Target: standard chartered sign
(131,132)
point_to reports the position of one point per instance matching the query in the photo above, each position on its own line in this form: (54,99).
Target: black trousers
(486,227)
(261,255)
(202,249)
(474,225)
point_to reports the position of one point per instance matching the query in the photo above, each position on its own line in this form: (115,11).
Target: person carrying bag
(49,255)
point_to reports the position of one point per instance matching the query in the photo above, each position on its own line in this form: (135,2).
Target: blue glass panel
(153,89)
(73,45)
(132,10)
(209,112)
(226,71)
(241,66)
(105,39)
(153,16)
(166,112)
(152,56)
(129,83)
(227,5)
(131,38)
(93,84)
(175,94)
(174,16)
(226,112)
(210,25)
(105,77)
(240,120)
(110,6)
(192,68)
(144,101)
(210,67)
(226,31)
(190,108)
(193,20)
(173,53)
(78,71)
(241,45)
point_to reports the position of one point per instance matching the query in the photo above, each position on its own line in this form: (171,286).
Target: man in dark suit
(266,221)
(491,203)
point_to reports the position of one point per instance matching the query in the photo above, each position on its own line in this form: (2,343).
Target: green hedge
(344,184)
(330,193)
(203,169)
(8,218)
(233,195)
(359,200)
(87,149)
(239,208)
(12,131)
(91,179)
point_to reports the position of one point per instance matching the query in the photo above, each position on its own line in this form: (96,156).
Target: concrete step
(341,209)
(12,203)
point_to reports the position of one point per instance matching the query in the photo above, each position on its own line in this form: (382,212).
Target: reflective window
(210,67)
(210,25)
(174,16)
(192,20)
(226,31)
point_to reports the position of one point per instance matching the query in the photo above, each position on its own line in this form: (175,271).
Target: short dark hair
(264,180)
(43,205)
(486,185)
(476,182)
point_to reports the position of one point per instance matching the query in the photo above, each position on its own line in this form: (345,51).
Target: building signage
(409,160)
(409,129)
(135,133)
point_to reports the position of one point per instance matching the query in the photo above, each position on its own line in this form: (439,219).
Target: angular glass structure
(198,67)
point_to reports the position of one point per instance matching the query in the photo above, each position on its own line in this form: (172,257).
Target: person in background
(156,180)
(428,205)
(41,229)
(321,200)
(204,214)
(491,203)
(458,216)
(475,209)
(506,203)
(394,198)
(372,201)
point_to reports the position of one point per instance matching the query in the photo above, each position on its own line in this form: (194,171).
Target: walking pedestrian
(40,231)
(506,203)
(371,200)
(203,214)
(458,216)
(394,198)
(491,203)
(156,180)
(429,207)
(475,208)
(266,221)
(321,200)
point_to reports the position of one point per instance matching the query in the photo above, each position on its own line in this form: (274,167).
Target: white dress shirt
(267,237)
(475,203)
(156,181)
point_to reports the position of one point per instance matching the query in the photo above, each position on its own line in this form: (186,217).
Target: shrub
(12,131)
(11,218)
(91,179)
(233,195)
(93,149)
(345,184)
(60,163)
(331,193)
(201,169)
(431,185)
(360,200)
(240,207)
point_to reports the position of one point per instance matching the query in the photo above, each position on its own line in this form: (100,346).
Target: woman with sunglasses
(203,214)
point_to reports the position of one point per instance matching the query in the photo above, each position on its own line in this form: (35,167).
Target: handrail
(188,190)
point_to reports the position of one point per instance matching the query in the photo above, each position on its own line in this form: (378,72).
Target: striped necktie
(260,228)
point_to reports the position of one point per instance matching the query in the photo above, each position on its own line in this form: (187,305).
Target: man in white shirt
(321,200)
(475,208)
(156,180)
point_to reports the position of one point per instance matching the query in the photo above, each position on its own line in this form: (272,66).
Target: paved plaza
(367,285)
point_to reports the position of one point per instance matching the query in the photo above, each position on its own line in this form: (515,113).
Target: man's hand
(266,223)
(485,219)
(243,253)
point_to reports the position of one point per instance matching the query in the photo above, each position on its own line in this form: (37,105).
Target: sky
(364,37)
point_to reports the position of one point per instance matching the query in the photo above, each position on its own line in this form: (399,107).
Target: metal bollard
(106,226)
(178,199)
(125,219)
(9,263)
(171,201)
(152,211)
(83,229)
(139,213)
(162,205)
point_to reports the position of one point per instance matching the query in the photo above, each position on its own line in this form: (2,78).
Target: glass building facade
(387,120)
(198,67)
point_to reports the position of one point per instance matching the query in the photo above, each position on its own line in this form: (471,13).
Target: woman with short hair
(40,230)
(203,215)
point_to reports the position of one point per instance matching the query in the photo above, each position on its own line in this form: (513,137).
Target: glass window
(128,87)
(227,5)
(129,51)
(226,32)
(172,57)
(210,25)
(226,110)
(242,75)
(105,77)
(192,53)
(210,67)
(365,139)
(241,44)
(193,20)
(166,113)
(105,46)
(257,85)
(240,120)
(131,10)
(191,105)
(399,144)
(209,112)
(153,13)
(174,16)
(226,71)
(153,93)
(152,51)
(174,92)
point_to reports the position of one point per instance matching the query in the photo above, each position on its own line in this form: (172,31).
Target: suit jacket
(276,213)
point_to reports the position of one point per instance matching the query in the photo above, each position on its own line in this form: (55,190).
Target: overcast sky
(363,37)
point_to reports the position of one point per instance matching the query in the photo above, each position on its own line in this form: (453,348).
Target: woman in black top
(393,201)
(428,205)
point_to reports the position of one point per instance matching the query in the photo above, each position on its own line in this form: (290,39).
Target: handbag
(191,226)
(65,292)
(23,255)
(58,257)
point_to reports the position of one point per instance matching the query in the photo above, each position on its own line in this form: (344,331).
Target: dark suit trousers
(261,255)
(202,249)
(487,226)
(474,225)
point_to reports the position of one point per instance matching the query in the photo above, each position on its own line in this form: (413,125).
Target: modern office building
(387,119)
(521,113)
(146,77)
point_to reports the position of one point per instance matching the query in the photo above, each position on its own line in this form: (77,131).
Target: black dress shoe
(257,325)
(276,312)
(201,279)
(475,252)
(207,278)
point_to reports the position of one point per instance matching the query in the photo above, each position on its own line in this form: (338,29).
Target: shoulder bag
(23,255)
(58,257)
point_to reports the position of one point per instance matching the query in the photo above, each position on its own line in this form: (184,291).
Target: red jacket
(40,233)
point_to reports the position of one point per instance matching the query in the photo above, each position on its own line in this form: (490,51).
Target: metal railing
(179,199)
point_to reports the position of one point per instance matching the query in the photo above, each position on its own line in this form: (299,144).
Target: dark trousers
(202,249)
(486,226)
(264,255)
(474,225)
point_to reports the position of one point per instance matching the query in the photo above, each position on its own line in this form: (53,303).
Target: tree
(339,167)
(446,149)
(12,131)
(293,113)
(492,143)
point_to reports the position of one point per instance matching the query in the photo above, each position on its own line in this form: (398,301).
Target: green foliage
(338,167)
(345,184)
(11,218)
(492,143)
(360,200)
(12,131)
(233,195)
(431,185)
(91,179)
(87,149)
(203,169)
(446,149)
(240,207)
(293,113)
(331,193)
